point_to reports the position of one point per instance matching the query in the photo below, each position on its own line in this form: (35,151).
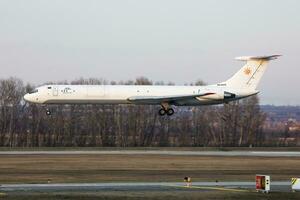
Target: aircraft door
(55,90)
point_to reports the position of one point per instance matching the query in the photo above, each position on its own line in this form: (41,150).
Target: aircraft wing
(164,99)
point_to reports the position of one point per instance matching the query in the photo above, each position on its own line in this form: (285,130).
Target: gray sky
(169,40)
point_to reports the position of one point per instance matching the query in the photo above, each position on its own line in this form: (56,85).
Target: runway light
(188,181)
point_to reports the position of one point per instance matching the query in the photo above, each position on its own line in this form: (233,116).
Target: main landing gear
(169,111)
(166,109)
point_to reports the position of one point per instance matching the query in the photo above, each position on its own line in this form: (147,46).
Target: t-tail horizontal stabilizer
(246,58)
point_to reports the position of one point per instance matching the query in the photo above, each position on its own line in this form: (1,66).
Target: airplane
(241,85)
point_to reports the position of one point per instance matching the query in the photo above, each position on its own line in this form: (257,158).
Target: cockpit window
(49,87)
(33,91)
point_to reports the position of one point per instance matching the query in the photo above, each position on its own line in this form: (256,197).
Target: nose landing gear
(48,112)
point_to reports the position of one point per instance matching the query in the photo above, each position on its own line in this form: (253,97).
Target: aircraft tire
(162,112)
(170,111)
(48,112)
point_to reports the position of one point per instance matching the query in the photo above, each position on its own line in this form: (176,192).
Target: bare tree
(25,124)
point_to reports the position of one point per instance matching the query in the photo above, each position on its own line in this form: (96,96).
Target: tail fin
(250,74)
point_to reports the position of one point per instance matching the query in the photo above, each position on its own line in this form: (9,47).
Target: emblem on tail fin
(247,71)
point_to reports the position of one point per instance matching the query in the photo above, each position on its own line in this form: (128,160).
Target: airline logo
(67,90)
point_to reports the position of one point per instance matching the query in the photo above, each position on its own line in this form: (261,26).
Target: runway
(161,152)
(142,186)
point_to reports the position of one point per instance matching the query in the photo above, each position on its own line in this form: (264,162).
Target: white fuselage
(121,94)
(242,84)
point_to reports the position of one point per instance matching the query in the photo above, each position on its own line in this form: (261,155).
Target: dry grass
(150,148)
(146,195)
(106,168)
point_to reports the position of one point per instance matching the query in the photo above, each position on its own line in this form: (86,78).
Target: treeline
(26,125)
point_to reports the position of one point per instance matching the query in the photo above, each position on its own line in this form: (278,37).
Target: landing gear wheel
(162,112)
(48,112)
(170,111)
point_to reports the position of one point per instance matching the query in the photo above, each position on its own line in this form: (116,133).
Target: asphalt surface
(160,152)
(154,186)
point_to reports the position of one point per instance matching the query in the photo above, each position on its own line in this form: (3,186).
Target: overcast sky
(169,40)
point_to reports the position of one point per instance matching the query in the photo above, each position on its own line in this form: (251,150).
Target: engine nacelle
(229,95)
(218,96)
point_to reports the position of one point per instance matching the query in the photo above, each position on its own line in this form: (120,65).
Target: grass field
(150,148)
(141,168)
(178,195)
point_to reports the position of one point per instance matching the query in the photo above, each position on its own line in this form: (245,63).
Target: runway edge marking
(210,188)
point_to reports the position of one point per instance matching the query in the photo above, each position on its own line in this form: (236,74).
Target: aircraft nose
(27,97)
